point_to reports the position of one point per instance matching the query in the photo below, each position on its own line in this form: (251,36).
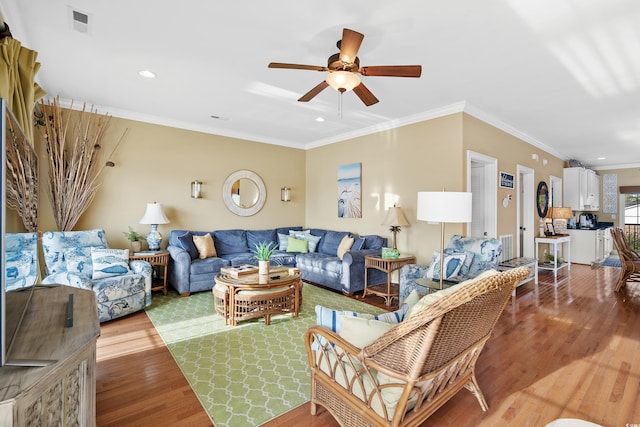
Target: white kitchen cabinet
(590,246)
(581,189)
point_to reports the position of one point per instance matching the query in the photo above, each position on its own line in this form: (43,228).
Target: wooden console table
(64,392)
(388,290)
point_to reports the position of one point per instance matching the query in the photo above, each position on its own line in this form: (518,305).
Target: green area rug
(248,374)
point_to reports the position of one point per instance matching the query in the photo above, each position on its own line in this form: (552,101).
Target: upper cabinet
(581,189)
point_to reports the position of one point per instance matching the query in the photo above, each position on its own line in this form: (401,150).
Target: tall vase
(263,267)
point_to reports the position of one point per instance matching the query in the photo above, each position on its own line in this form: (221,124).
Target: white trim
(525,205)
(490,189)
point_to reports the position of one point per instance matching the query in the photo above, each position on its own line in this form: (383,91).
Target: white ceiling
(563,75)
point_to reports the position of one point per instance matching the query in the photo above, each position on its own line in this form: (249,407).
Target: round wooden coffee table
(253,295)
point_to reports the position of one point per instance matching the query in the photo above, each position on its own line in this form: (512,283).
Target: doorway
(482,182)
(525,206)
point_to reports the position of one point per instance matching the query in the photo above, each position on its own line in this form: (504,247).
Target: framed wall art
(349,191)
(507,180)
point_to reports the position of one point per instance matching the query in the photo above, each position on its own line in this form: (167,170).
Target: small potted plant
(262,252)
(135,238)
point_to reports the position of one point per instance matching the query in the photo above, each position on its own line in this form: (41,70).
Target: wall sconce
(196,187)
(544,162)
(285,194)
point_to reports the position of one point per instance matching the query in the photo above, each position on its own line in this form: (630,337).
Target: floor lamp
(444,206)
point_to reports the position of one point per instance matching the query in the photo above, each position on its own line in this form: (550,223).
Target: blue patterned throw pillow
(78,260)
(109,262)
(452,265)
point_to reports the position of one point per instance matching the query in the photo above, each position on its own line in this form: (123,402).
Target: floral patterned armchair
(70,260)
(481,254)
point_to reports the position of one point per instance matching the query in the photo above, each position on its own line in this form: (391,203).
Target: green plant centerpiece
(135,238)
(262,252)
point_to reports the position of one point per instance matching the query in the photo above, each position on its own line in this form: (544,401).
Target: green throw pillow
(297,245)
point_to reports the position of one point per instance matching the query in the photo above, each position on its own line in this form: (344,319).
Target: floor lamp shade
(443,207)
(154,216)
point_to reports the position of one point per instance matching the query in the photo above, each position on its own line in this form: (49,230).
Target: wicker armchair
(629,259)
(417,366)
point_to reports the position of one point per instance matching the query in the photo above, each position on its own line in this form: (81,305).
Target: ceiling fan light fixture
(343,81)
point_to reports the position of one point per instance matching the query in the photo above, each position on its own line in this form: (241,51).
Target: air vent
(79,21)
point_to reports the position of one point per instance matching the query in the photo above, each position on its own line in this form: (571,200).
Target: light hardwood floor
(571,351)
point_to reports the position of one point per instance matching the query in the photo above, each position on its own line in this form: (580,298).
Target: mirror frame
(226,193)
(542,199)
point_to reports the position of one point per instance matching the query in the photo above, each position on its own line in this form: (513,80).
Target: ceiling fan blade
(297,66)
(349,45)
(392,70)
(313,92)
(365,95)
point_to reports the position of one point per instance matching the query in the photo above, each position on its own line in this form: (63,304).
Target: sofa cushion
(230,241)
(185,241)
(54,243)
(486,252)
(240,258)
(109,262)
(208,265)
(205,246)
(255,237)
(331,241)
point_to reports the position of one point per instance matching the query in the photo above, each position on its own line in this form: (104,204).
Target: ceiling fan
(344,67)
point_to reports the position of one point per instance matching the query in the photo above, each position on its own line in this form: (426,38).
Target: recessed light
(147,74)
(319,119)
(601,158)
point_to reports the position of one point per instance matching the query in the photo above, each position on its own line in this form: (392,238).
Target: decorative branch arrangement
(22,175)
(72,150)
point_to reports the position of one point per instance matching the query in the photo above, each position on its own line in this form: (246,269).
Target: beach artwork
(349,191)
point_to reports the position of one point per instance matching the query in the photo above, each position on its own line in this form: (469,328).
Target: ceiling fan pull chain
(340,105)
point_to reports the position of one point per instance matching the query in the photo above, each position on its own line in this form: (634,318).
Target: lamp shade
(343,81)
(561,213)
(395,217)
(444,206)
(154,215)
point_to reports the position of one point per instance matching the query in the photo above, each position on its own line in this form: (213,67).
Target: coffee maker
(588,220)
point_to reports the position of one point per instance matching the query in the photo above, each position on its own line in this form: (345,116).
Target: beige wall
(510,152)
(626,177)
(157,164)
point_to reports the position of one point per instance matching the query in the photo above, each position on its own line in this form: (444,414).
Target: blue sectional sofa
(321,265)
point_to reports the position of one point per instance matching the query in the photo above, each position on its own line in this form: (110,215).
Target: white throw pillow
(109,262)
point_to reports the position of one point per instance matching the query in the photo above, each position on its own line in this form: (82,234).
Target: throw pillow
(78,260)
(297,245)
(358,244)
(361,331)
(466,265)
(345,246)
(412,299)
(283,241)
(109,262)
(332,319)
(306,235)
(452,265)
(205,246)
(186,242)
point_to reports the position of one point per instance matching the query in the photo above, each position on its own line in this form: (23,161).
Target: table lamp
(562,214)
(154,216)
(394,220)
(444,206)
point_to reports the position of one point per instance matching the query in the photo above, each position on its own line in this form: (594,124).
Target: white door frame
(490,190)
(555,190)
(525,204)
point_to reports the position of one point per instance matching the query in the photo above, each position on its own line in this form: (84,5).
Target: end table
(156,259)
(388,290)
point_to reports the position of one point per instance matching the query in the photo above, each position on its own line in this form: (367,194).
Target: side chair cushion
(109,262)
(332,319)
(361,331)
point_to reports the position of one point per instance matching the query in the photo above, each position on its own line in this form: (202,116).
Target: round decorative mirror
(244,193)
(542,199)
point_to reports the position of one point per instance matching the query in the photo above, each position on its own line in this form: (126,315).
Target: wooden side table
(157,259)
(388,290)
